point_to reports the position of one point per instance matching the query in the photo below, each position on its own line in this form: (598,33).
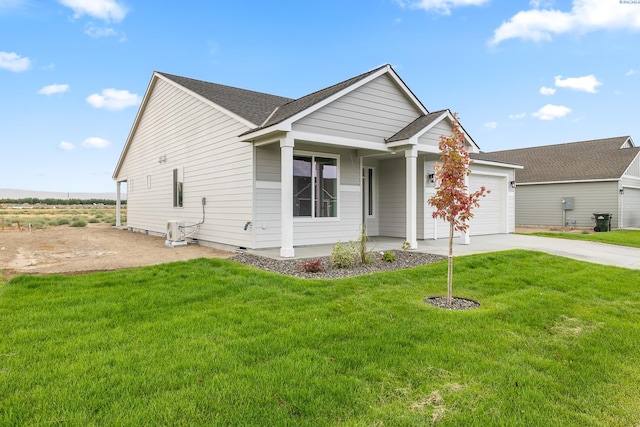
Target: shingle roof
(596,159)
(416,126)
(261,109)
(252,106)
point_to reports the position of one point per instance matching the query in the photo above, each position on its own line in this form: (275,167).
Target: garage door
(491,216)
(631,208)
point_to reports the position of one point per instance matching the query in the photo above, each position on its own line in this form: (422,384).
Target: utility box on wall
(567,203)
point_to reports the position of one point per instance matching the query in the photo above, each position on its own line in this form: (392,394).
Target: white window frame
(177,187)
(370,198)
(313,218)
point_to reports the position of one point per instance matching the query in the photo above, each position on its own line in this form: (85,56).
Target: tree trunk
(450,269)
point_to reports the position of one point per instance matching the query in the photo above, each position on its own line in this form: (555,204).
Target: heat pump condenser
(175,234)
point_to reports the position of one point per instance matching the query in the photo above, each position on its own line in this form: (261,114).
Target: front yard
(214,342)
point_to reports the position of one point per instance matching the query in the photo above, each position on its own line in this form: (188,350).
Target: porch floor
(479,244)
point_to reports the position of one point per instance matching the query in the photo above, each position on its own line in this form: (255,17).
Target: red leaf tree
(452,201)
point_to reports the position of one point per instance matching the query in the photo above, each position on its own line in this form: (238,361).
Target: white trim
(340,141)
(286,197)
(497,164)
(371,187)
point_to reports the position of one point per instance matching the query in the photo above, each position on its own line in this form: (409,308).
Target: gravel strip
(293,267)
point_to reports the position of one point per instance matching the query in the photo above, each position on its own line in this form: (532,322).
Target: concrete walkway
(600,253)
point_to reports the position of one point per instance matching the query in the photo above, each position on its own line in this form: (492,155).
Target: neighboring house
(279,172)
(565,184)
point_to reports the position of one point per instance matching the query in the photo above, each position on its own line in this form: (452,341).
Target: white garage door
(631,208)
(490,217)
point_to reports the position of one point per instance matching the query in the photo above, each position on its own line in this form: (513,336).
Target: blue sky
(519,73)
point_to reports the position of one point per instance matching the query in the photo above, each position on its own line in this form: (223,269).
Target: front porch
(479,244)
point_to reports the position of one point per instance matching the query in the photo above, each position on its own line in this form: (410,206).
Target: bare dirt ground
(96,247)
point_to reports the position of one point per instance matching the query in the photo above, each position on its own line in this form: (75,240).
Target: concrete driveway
(599,253)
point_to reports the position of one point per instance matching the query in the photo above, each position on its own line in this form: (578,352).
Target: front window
(315,186)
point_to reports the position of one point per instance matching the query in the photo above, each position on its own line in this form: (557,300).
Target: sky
(519,73)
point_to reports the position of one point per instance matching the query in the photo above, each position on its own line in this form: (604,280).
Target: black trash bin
(603,221)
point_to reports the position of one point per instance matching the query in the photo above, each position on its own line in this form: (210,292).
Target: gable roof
(416,126)
(254,107)
(593,160)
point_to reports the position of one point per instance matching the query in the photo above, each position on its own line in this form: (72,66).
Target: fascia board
(490,163)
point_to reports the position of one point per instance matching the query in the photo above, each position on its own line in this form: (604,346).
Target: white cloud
(95,142)
(440,6)
(13,62)
(67,146)
(631,72)
(517,116)
(550,112)
(582,84)
(491,125)
(106,10)
(53,89)
(98,32)
(113,99)
(547,90)
(585,16)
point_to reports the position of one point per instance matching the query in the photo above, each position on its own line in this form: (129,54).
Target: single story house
(565,184)
(247,169)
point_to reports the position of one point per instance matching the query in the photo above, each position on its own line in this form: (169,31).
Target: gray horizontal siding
(306,231)
(542,204)
(203,143)
(392,198)
(372,112)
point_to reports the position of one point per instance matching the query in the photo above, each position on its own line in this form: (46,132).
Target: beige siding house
(238,168)
(563,185)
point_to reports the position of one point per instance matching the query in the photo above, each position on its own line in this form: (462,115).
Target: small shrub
(343,256)
(366,257)
(94,220)
(405,247)
(312,266)
(64,221)
(388,257)
(78,222)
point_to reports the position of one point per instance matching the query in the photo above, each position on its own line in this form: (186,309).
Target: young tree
(452,201)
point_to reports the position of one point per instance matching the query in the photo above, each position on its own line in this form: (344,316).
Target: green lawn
(556,342)
(615,237)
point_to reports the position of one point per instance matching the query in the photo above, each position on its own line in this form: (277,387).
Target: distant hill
(10,193)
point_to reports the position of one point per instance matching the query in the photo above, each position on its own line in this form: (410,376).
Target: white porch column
(118,205)
(466,236)
(286,196)
(411,157)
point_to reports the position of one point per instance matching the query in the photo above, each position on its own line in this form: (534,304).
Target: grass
(615,237)
(213,342)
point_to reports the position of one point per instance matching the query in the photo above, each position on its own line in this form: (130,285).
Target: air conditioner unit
(175,234)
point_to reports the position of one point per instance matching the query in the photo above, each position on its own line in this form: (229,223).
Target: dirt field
(96,247)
